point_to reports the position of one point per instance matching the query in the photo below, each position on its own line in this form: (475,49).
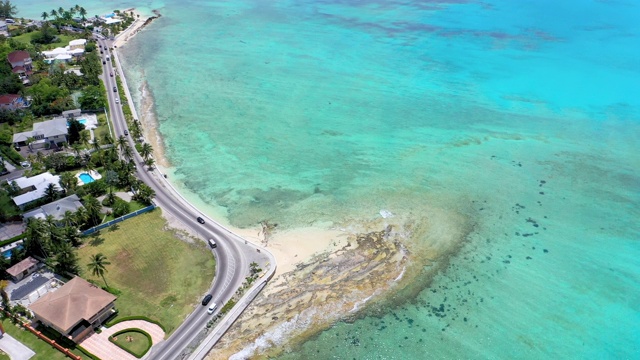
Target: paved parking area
(9,230)
(15,349)
(100,346)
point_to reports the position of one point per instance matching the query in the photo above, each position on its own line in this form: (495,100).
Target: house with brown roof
(23,269)
(75,309)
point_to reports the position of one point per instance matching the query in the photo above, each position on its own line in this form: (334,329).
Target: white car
(212,308)
(117,101)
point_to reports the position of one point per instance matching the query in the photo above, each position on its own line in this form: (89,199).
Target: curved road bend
(233,254)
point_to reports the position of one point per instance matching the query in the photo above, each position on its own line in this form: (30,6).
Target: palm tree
(97,266)
(44,16)
(85,136)
(127,153)
(66,260)
(76,148)
(50,193)
(82,13)
(146,150)
(149,162)
(61,11)
(122,142)
(54,13)
(68,181)
(107,139)
(96,145)
(93,207)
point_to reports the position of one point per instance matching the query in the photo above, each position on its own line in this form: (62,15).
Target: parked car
(212,308)
(200,220)
(206,299)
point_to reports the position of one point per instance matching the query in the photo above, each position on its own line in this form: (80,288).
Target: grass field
(159,276)
(43,350)
(63,40)
(136,342)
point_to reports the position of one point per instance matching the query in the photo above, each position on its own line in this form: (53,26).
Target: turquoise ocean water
(522,115)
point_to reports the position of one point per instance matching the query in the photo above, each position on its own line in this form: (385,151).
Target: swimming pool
(7,253)
(86,178)
(81,121)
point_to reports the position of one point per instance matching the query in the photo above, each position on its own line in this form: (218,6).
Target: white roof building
(56,209)
(38,184)
(75,48)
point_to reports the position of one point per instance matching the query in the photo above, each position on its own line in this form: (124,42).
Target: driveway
(15,349)
(100,346)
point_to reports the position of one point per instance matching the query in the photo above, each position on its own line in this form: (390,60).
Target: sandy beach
(133,29)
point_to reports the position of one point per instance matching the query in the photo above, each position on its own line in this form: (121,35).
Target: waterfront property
(56,209)
(33,188)
(74,309)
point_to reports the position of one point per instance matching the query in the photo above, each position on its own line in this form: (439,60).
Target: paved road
(233,254)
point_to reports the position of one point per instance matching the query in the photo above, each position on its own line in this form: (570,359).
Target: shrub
(139,331)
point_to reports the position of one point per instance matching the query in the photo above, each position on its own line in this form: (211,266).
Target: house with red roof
(21,64)
(13,102)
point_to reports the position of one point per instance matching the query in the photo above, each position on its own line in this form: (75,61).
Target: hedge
(135,317)
(140,331)
(10,153)
(13,239)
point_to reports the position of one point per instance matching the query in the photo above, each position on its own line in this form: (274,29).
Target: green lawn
(136,342)
(63,40)
(7,206)
(4,356)
(159,276)
(43,350)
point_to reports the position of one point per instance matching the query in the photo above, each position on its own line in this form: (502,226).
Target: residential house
(64,54)
(51,132)
(4,28)
(21,64)
(33,188)
(23,269)
(13,102)
(75,309)
(56,209)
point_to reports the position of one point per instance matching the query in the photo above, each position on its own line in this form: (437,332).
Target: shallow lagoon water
(521,115)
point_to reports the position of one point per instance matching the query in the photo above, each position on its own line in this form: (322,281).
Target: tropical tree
(54,13)
(120,208)
(97,266)
(7,9)
(51,193)
(144,193)
(82,13)
(107,139)
(149,162)
(75,131)
(111,178)
(44,15)
(95,144)
(146,150)
(122,142)
(85,137)
(65,260)
(93,207)
(68,181)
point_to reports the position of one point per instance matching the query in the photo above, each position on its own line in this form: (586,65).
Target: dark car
(200,220)
(101,52)
(206,299)
(111,74)
(115,89)
(104,62)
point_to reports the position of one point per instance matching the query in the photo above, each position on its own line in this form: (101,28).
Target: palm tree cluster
(54,241)
(62,14)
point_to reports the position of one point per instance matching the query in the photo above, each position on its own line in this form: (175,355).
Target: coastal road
(233,254)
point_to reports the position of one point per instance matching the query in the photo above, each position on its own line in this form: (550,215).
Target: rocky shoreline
(360,278)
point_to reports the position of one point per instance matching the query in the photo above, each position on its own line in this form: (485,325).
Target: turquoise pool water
(81,121)
(7,253)
(86,178)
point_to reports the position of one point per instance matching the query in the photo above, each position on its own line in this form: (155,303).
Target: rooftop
(23,265)
(57,209)
(19,55)
(75,301)
(39,182)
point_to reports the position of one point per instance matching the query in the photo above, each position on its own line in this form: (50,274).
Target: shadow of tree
(114,227)
(96,240)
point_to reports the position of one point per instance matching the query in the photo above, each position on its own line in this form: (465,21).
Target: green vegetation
(134,341)
(158,275)
(40,347)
